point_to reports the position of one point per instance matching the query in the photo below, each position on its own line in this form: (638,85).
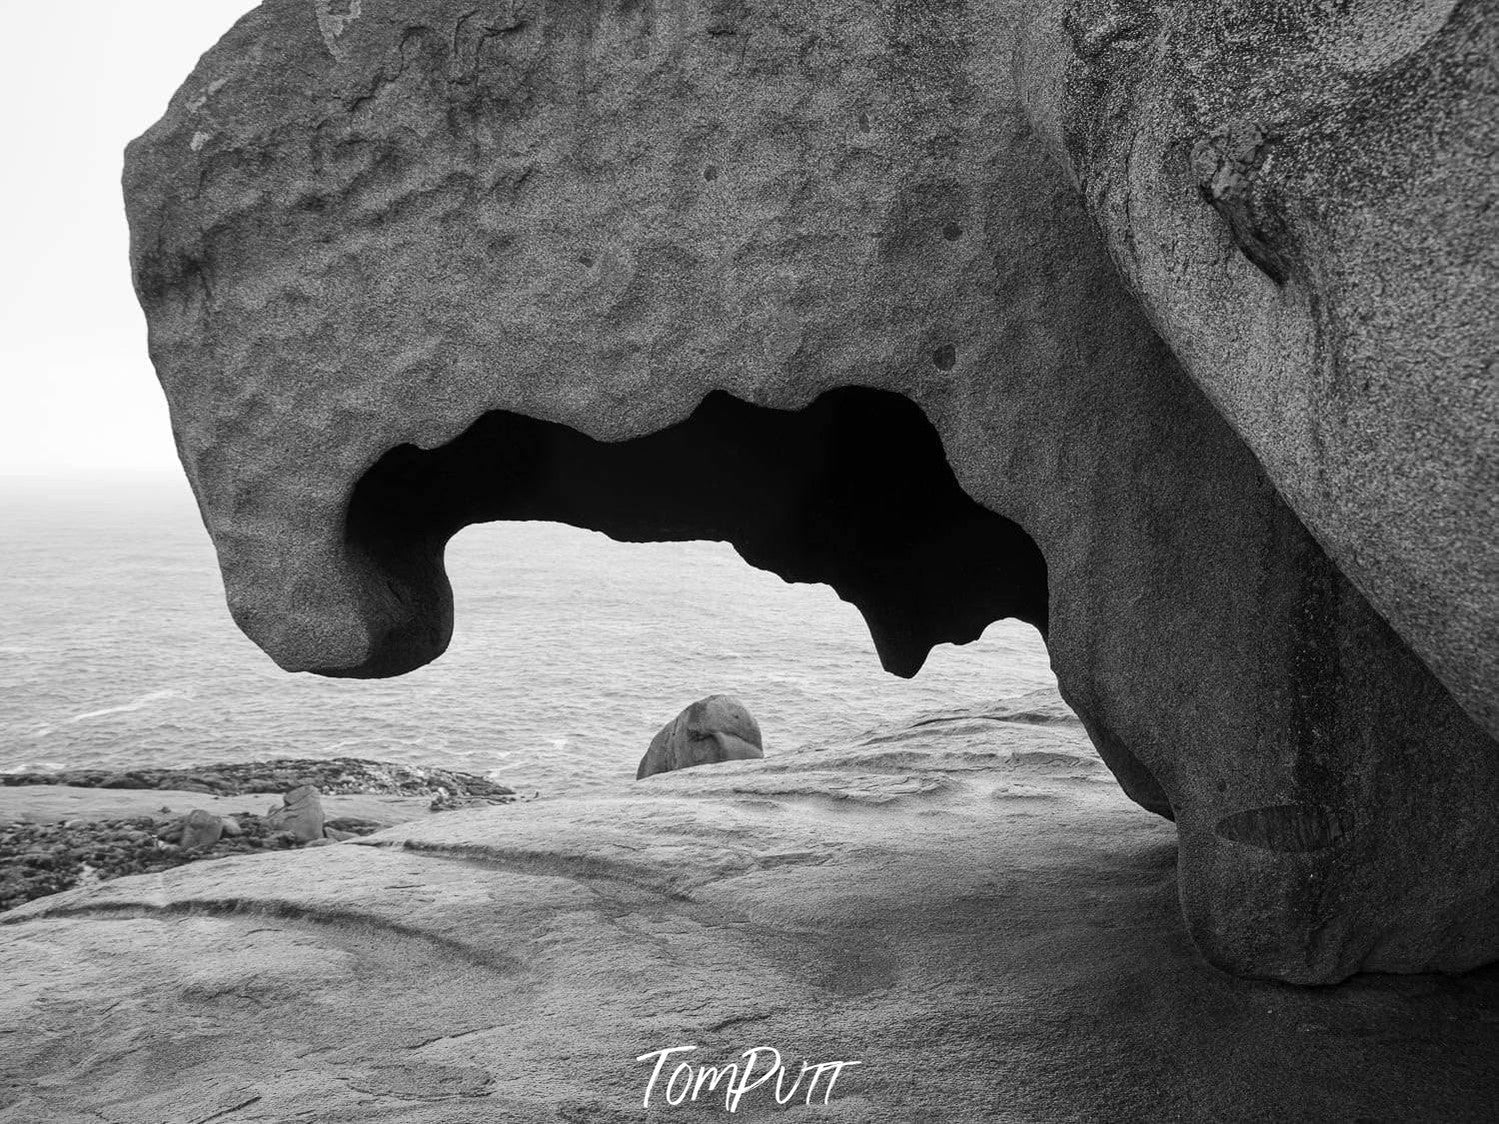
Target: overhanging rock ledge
(402,267)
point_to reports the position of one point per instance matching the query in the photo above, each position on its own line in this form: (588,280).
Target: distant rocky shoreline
(37,859)
(337,775)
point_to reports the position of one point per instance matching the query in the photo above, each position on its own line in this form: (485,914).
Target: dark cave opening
(852,491)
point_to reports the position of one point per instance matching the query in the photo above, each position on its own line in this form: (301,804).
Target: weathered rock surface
(300,813)
(619,265)
(968,906)
(711,730)
(1303,196)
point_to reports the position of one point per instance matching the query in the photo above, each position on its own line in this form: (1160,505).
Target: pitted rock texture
(966,905)
(1338,296)
(402,272)
(709,732)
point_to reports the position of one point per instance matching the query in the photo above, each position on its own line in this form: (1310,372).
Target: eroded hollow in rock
(852,491)
(1283,827)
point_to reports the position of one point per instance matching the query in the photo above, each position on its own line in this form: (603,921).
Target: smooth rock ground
(966,904)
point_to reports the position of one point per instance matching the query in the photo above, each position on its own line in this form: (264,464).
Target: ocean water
(570,651)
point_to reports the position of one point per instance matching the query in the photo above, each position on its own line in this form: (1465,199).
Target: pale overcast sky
(77,393)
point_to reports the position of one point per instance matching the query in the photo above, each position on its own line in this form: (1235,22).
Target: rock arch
(462,216)
(852,490)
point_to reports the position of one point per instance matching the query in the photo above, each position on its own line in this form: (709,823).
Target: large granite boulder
(967,906)
(710,731)
(1302,195)
(851,286)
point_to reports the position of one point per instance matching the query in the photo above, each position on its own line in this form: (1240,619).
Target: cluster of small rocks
(338,776)
(40,859)
(45,858)
(446,801)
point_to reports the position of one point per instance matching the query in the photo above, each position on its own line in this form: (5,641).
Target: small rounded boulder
(717,728)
